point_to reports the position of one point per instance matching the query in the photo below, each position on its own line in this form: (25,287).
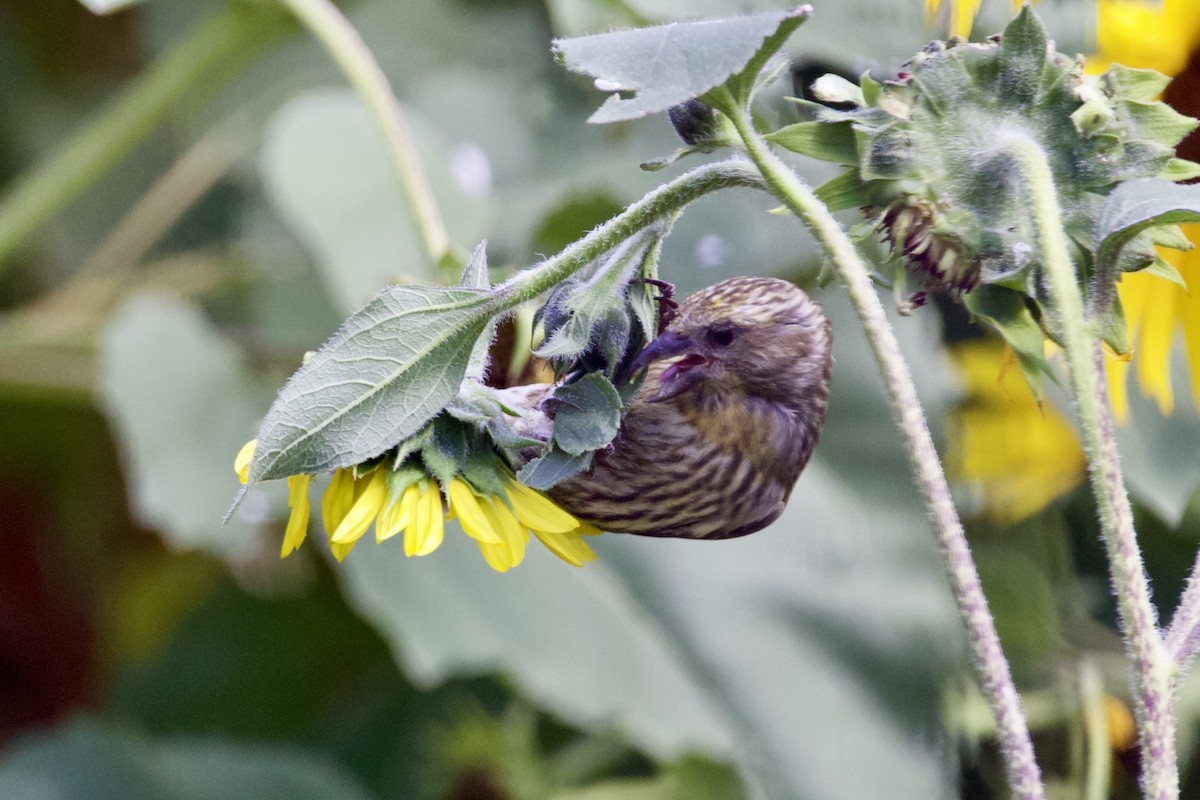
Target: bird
(727,416)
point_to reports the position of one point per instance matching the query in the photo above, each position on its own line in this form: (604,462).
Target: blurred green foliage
(149,652)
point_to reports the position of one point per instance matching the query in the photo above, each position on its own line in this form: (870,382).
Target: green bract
(931,161)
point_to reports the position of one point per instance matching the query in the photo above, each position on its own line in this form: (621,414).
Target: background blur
(148,652)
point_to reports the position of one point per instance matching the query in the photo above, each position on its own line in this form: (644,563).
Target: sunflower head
(930,159)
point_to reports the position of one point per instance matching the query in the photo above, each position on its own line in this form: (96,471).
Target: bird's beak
(667,345)
(680,376)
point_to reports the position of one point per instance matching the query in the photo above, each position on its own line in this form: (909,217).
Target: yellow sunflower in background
(1159,35)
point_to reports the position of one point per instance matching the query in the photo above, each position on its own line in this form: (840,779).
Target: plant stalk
(1017,748)
(1183,636)
(208,55)
(1153,667)
(323,19)
(661,204)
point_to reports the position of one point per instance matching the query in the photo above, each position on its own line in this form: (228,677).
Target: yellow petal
(241,463)
(497,556)
(503,521)
(428,527)
(340,551)
(465,504)
(368,502)
(1154,343)
(297,526)
(570,547)
(1189,309)
(588,529)
(339,497)
(537,511)
(396,516)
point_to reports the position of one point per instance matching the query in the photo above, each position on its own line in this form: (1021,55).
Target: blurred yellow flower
(961,14)
(1011,454)
(500,525)
(1162,36)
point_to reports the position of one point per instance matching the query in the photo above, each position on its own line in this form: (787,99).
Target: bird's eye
(721,337)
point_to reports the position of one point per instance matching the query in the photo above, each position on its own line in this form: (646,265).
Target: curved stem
(209,54)
(1153,668)
(659,204)
(1022,771)
(1183,637)
(335,32)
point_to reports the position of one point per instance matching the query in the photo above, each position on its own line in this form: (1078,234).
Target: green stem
(1013,732)
(1153,666)
(326,22)
(202,59)
(660,204)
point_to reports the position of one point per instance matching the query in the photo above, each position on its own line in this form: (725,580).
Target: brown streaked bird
(727,417)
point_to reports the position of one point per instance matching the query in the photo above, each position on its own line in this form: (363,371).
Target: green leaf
(475,276)
(1179,170)
(388,370)
(445,452)
(1138,85)
(1166,270)
(847,190)
(1114,331)
(1005,310)
(92,761)
(182,404)
(588,414)
(1137,205)
(327,171)
(1159,122)
(704,779)
(666,65)
(827,141)
(1023,49)
(553,467)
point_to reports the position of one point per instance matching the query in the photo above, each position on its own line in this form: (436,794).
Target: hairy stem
(1183,637)
(1022,771)
(213,52)
(661,204)
(335,32)
(1153,667)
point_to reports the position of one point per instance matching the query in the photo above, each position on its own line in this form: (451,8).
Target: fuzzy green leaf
(552,468)
(666,65)
(847,190)
(445,451)
(826,141)
(1179,170)
(1023,49)
(97,760)
(588,415)
(1005,310)
(388,370)
(1114,331)
(1138,85)
(1166,270)
(1137,205)
(1159,122)
(475,275)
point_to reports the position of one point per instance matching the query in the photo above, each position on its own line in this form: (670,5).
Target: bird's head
(755,337)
